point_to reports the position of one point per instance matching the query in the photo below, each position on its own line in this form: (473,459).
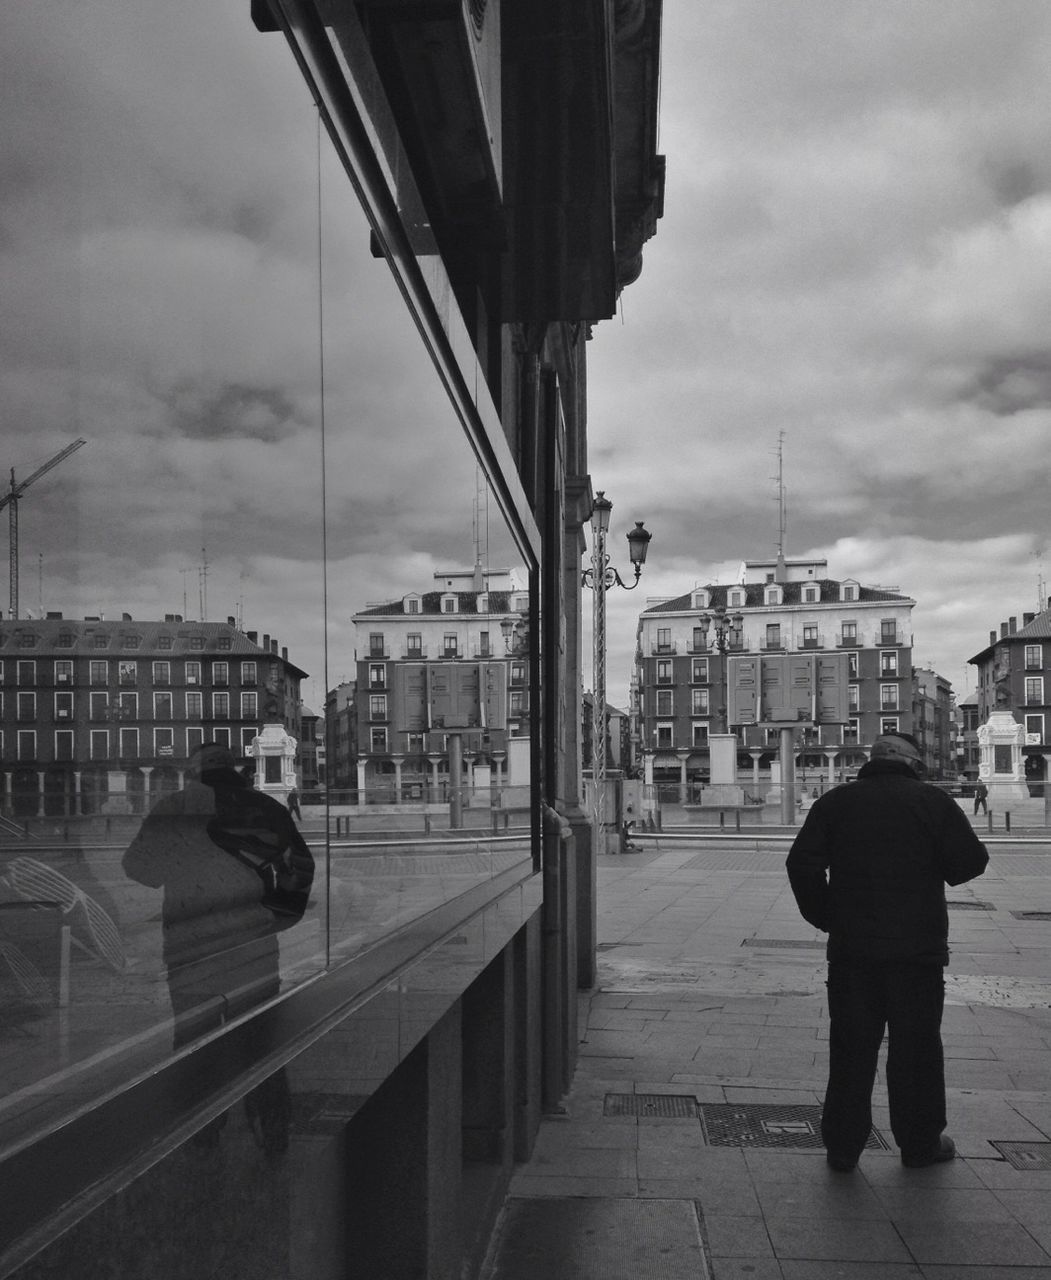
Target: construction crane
(11,499)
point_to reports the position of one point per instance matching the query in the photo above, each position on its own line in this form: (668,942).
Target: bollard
(722,820)
(737,819)
(989,819)
(427,824)
(1007,819)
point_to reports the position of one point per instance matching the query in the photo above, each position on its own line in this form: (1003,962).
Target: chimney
(125,617)
(284,652)
(1012,624)
(253,637)
(231,622)
(1003,630)
(56,617)
(266,642)
(1027,618)
(169,617)
(992,637)
(273,646)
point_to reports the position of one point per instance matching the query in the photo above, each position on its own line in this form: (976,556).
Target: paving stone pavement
(711,1001)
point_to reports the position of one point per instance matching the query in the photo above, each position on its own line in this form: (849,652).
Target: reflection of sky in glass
(164,268)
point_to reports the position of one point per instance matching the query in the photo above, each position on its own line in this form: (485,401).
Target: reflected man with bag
(235,872)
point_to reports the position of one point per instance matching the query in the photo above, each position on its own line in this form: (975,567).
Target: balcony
(415,654)
(771,646)
(845,641)
(665,648)
(812,642)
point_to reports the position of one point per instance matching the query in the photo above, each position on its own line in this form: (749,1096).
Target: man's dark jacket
(871,861)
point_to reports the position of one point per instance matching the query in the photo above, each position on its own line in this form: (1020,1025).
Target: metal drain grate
(797,943)
(1032,915)
(969,905)
(1030,1157)
(674,1106)
(769,1124)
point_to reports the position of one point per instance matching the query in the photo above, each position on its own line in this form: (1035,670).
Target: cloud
(855,253)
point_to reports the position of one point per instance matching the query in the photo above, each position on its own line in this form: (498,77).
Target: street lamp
(602,577)
(724,625)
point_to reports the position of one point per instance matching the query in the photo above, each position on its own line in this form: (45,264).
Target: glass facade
(229,439)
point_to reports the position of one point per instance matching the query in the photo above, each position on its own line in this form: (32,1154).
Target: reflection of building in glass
(618,735)
(453,661)
(100,716)
(775,607)
(340,776)
(503,158)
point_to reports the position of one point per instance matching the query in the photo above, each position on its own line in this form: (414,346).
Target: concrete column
(788,778)
(830,757)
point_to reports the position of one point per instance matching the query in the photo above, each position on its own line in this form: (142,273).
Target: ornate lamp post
(724,625)
(602,577)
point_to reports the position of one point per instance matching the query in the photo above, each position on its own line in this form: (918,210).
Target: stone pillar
(436,792)
(398,761)
(830,758)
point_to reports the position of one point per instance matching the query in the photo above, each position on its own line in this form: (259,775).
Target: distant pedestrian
(869,868)
(981,795)
(293,804)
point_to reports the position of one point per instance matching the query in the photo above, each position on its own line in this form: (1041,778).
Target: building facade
(454,660)
(934,723)
(1014,675)
(304,276)
(341,743)
(775,607)
(101,717)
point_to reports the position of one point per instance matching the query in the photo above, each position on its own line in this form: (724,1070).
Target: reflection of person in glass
(235,872)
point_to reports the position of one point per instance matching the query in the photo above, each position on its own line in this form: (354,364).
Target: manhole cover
(768,1125)
(970,906)
(1032,915)
(1030,1157)
(798,943)
(663,1105)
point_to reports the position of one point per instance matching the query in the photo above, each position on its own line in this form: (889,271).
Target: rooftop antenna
(185,607)
(476,532)
(202,584)
(782,508)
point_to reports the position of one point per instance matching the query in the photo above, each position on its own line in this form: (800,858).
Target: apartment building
(1014,674)
(453,660)
(100,716)
(775,607)
(933,722)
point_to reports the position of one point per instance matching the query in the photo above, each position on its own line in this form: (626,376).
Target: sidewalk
(705,1044)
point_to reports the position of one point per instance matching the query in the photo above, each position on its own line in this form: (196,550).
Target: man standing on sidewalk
(869,868)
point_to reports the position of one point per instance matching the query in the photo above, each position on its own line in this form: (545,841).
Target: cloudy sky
(173,227)
(856,252)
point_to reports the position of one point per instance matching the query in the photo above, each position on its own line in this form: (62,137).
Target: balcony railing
(844,641)
(813,642)
(669,646)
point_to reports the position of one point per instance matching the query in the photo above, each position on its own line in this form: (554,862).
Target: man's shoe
(841,1164)
(942,1153)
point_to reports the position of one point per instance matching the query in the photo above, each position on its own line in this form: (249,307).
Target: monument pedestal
(1000,763)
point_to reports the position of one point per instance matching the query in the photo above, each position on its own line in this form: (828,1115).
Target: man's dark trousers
(863,1001)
